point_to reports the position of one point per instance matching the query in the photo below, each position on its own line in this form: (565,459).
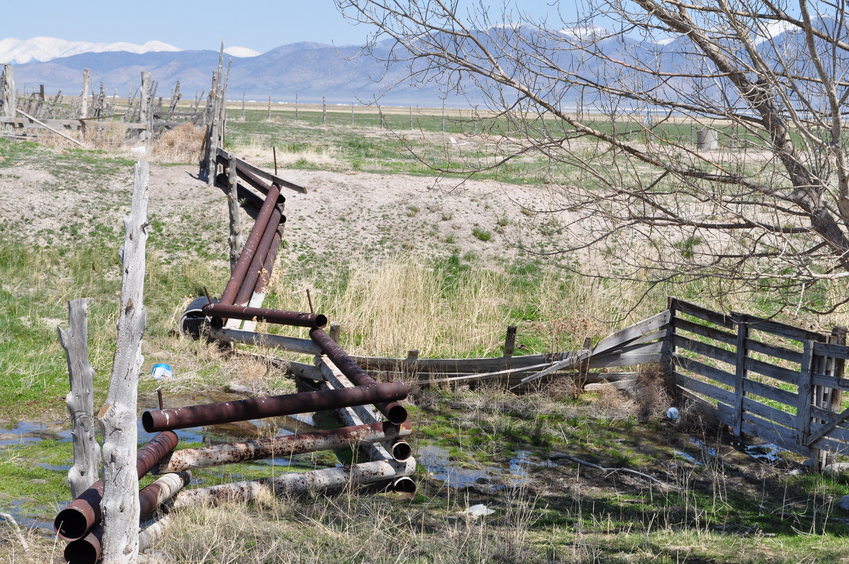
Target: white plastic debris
(673,414)
(160,371)
(479,510)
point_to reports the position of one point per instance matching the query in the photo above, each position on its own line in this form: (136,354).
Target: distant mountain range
(312,71)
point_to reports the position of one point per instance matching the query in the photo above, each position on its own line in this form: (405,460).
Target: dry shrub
(650,392)
(698,418)
(562,387)
(105,134)
(181,144)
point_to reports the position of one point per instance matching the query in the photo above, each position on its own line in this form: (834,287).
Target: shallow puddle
(490,478)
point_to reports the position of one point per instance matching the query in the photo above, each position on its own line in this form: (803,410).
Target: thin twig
(608,471)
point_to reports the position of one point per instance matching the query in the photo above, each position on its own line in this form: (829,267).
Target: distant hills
(311,71)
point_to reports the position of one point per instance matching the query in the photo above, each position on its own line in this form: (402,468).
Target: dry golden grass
(181,144)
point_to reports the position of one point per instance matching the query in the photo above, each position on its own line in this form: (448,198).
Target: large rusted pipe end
(396,413)
(83,551)
(73,523)
(401,451)
(147,421)
(320,320)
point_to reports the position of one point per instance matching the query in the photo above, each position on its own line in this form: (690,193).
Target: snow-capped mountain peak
(42,49)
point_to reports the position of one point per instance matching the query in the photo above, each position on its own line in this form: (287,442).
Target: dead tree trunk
(80,399)
(120,505)
(9,102)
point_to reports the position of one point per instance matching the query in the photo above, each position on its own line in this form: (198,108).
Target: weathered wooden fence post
(235,239)
(667,356)
(84,95)
(80,400)
(323,111)
(510,341)
(805,392)
(120,505)
(740,372)
(145,113)
(175,97)
(9,94)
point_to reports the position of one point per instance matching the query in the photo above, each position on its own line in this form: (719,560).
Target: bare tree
(613,98)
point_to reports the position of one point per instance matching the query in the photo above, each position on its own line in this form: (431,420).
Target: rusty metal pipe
(393,411)
(79,516)
(250,246)
(88,549)
(278,316)
(273,406)
(268,265)
(253,272)
(216,455)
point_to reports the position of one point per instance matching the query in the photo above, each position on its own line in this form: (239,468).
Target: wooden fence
(781,383)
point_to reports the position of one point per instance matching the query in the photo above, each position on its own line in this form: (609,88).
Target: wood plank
(768,412)
(705,331)
(777,372)
(779,329)
(704,388)
(700,312)
(805,395)
(458,365)
(773,350)
(291,344)
(831,445)
(629,359)
(830,350)
(222,154)
(655,347)
(705,349)
(704,370)
(769,392)
(772,433)
(624,336)
(826,428)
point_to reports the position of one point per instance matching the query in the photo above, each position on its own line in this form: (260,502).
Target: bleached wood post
(235,221)
(9,101)
(120,505)
(269,109)
(84,95)
(80,400)
(145,114)
(175,97)
(323,111)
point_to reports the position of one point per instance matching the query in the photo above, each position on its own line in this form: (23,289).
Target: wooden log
(8,91)
(120,505)
(80,400)
(273,178)
(298,482)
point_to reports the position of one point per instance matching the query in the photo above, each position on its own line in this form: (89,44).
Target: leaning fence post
(80,400)
(9,102)
(120,505)
(667,355)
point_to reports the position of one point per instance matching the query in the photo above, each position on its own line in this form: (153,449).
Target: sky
(259,25)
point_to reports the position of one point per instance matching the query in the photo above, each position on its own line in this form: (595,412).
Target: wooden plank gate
(781,383)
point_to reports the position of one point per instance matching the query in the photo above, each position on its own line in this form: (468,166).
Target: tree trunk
(120,505)
(80,399)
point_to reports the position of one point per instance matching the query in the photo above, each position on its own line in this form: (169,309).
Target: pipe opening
(70,524)
(404,484)
(396,414)
(320,320)
(81,552)
(147,421)
(401,451)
